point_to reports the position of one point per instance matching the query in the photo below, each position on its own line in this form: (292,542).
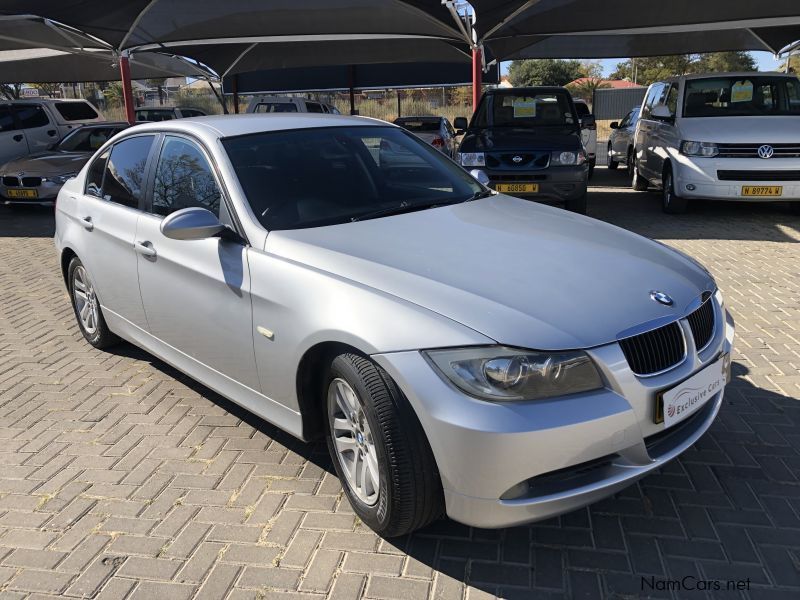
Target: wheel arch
(67,254)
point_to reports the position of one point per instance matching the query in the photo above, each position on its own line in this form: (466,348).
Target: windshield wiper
(403,207)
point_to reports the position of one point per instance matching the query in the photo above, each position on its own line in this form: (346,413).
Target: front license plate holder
(677,403)
(762,191)
(518,188)
(23,193)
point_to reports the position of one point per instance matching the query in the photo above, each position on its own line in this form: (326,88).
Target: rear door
(109,213)
(664,131)
(40,131)
(12,138)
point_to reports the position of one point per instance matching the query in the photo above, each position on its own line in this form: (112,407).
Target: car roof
(421,118)
(528,89)
(101,124)
(222,126)
(730,74)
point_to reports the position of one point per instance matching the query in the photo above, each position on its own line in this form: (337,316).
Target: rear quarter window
(76,111)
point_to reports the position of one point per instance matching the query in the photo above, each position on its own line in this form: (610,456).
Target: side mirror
(460,124)
(191,224)
(662,113)
(480,176)
(588,122)
(614,125)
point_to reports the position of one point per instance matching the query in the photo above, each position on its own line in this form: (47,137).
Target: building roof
(616,84)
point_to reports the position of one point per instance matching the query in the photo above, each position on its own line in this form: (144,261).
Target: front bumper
(46,194)
(697,178)
(571,451)
(555,183)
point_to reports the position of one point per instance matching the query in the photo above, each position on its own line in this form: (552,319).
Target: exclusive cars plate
(678,403)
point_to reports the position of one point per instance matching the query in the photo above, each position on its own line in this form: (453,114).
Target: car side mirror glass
(191,224)
(461,125)
(614,125)
(662,112)
(588,121)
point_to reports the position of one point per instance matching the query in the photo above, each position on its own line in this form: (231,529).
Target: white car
(31,126)
(724,136)
(289,104)
(588,132)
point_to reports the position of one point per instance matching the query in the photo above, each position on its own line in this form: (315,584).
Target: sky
(765,60)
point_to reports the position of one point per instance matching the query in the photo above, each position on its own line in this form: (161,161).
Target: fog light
(691,187)
(517,491)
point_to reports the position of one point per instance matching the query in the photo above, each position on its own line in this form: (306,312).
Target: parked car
(527,142)
(30,126)
(620,142)
(588,132)
(289,104)
(36,179)
(461,351)
(166,113)
(437,131)
(721,136)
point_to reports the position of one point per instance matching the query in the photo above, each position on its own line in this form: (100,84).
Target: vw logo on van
(765,151)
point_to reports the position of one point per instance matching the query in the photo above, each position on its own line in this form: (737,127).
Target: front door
(39,131)
(12,138)
(196,293)
(109,213)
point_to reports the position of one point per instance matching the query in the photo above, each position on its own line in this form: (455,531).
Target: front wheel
(87,307)
(672,204)
(612,164)
(379,449)
(638,183)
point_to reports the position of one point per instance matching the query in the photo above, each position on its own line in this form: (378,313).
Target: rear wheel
(612,164)
(591,170)
(577,205)
(379,449)
(638,183)
(87,307)
(671,203)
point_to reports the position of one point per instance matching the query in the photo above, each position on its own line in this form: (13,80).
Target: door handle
(18,137)
(145,249)
(87,223)
(51,132)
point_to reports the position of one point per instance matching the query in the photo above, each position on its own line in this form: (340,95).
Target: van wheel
(672,204)
(379,449)
(87,307)
(638,183)
(611,163)
(577,205)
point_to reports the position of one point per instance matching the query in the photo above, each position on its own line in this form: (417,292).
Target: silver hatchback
(462,351)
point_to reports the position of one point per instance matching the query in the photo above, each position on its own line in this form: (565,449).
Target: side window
(124,178)
(6,119)
(672,99)
(652,95)
(31,116)
(626,121)
(76,111)
(94,177)
(313,107)
(183,179)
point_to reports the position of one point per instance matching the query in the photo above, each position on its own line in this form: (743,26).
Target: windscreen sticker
(524,108)
(742,91)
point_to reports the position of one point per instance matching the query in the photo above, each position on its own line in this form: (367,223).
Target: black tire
(100,336)
(591,170)
(409,494)
(577,205)
(638,183)
(611,163)
(671,203)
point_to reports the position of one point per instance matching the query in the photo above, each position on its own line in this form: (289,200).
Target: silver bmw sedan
(463,352)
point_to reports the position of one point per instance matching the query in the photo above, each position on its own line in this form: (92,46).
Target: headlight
(499,373)
(472,159)
(704,149)
(62,179)
(566,159)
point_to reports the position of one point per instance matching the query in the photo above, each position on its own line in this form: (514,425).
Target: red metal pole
(477,74)
(127,92)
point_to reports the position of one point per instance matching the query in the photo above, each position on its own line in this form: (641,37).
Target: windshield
(323,176)
(743,96)
(528,110)
(86,139)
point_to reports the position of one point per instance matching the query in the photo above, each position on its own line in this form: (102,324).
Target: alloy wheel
(85,299)
(352,438)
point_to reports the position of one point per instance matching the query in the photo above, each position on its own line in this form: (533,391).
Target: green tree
(113,94)
(11,91)
(592,69)
(720,62)
(654,68)
(543,71)
(586,88)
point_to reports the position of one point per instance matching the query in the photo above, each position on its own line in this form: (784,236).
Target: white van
(290,104)
(721,136)
(30,126)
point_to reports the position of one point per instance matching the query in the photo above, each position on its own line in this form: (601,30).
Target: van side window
(124,176)
(30,116)
(6,119)
(76,111)
(672,99)
(651,100)
(94,177)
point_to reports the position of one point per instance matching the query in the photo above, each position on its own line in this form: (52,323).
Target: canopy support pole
(220,97)
(351,80)
(235,86)
(127,92)
(477,76)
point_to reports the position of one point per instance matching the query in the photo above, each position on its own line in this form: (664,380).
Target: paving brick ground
(120,478)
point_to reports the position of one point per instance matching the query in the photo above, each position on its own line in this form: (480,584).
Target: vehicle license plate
(762,190)
(529,188)
(677,403)
(22,193)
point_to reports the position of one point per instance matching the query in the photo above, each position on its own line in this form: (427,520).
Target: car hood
(48,163)
(746,130)
(503,139)
(520,273)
